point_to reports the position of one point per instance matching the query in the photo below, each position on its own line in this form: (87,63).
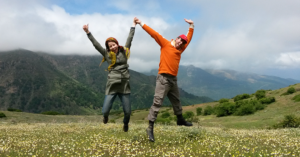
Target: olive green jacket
(118,76)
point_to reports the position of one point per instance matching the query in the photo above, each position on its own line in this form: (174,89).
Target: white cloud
(288,60)
(56,31)
(239,35)
(245,35)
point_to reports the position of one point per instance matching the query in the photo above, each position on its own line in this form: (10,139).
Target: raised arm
(190,32)
(93,40)
(131,34)
(158,38)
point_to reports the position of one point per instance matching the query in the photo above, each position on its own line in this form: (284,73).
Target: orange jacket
(169,56)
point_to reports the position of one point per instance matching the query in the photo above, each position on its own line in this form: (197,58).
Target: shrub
(259,106)
(165,115)
(245,110)
(188,115)
(296,98)
(291,90)
(260,94)
(199,111)
(208,110)
(2,115)
(50,113)
(245,107)
(241,97)
(289,121)
(225,109)
(267,100)
(250,105)
(13,110)
(223,100)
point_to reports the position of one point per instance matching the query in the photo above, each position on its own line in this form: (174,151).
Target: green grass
(23,117)
(97,139)
(263,119)
(28,134)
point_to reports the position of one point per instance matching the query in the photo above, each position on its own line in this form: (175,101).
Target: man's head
(180,41)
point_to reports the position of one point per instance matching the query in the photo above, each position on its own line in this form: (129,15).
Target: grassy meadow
(96,139)
(27,134)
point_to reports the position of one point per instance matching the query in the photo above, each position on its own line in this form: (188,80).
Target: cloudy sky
(255,36)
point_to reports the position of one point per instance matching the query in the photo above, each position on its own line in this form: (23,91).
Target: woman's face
(113,46)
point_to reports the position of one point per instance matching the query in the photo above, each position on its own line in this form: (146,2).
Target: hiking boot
(181,121)
(125,127)
(105,120)
(185,123)
(149,131)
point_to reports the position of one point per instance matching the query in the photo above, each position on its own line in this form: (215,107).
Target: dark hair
(183,41)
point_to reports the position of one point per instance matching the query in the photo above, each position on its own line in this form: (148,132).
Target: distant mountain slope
(254,80)
(85,69)
(71,84)
(218,84)
(30,83)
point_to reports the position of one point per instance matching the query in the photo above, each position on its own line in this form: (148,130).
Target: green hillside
(85,70)
(271,115)
(30,83)
(68,84)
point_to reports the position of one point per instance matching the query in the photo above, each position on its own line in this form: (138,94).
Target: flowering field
(95,139)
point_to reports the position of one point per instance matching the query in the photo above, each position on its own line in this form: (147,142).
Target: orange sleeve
(189,36)
(158,38)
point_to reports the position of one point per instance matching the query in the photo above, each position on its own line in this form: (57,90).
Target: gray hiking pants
(166,85)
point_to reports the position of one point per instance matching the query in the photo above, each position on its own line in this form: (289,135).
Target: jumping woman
(118,75)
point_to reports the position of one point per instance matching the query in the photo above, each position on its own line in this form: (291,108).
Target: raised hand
(86,28)
(189,21)
(137,20)
(134,23)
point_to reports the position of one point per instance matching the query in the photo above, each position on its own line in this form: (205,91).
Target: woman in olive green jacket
(118,76)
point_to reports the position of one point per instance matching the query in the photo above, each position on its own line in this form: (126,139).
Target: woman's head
(112,44)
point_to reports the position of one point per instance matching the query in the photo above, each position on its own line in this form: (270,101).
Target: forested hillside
(69,84)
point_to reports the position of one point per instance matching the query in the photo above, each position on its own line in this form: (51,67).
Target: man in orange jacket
(166,81)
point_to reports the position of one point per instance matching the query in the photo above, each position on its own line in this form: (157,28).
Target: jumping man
(166,81)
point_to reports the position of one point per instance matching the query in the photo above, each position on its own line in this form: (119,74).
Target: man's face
(179,43)
(113,46)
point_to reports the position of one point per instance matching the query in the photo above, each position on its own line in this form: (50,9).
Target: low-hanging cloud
(247,36)
(239,35)
(55,31)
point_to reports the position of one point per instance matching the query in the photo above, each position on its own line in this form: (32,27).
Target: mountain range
(69,84)
(218,84)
